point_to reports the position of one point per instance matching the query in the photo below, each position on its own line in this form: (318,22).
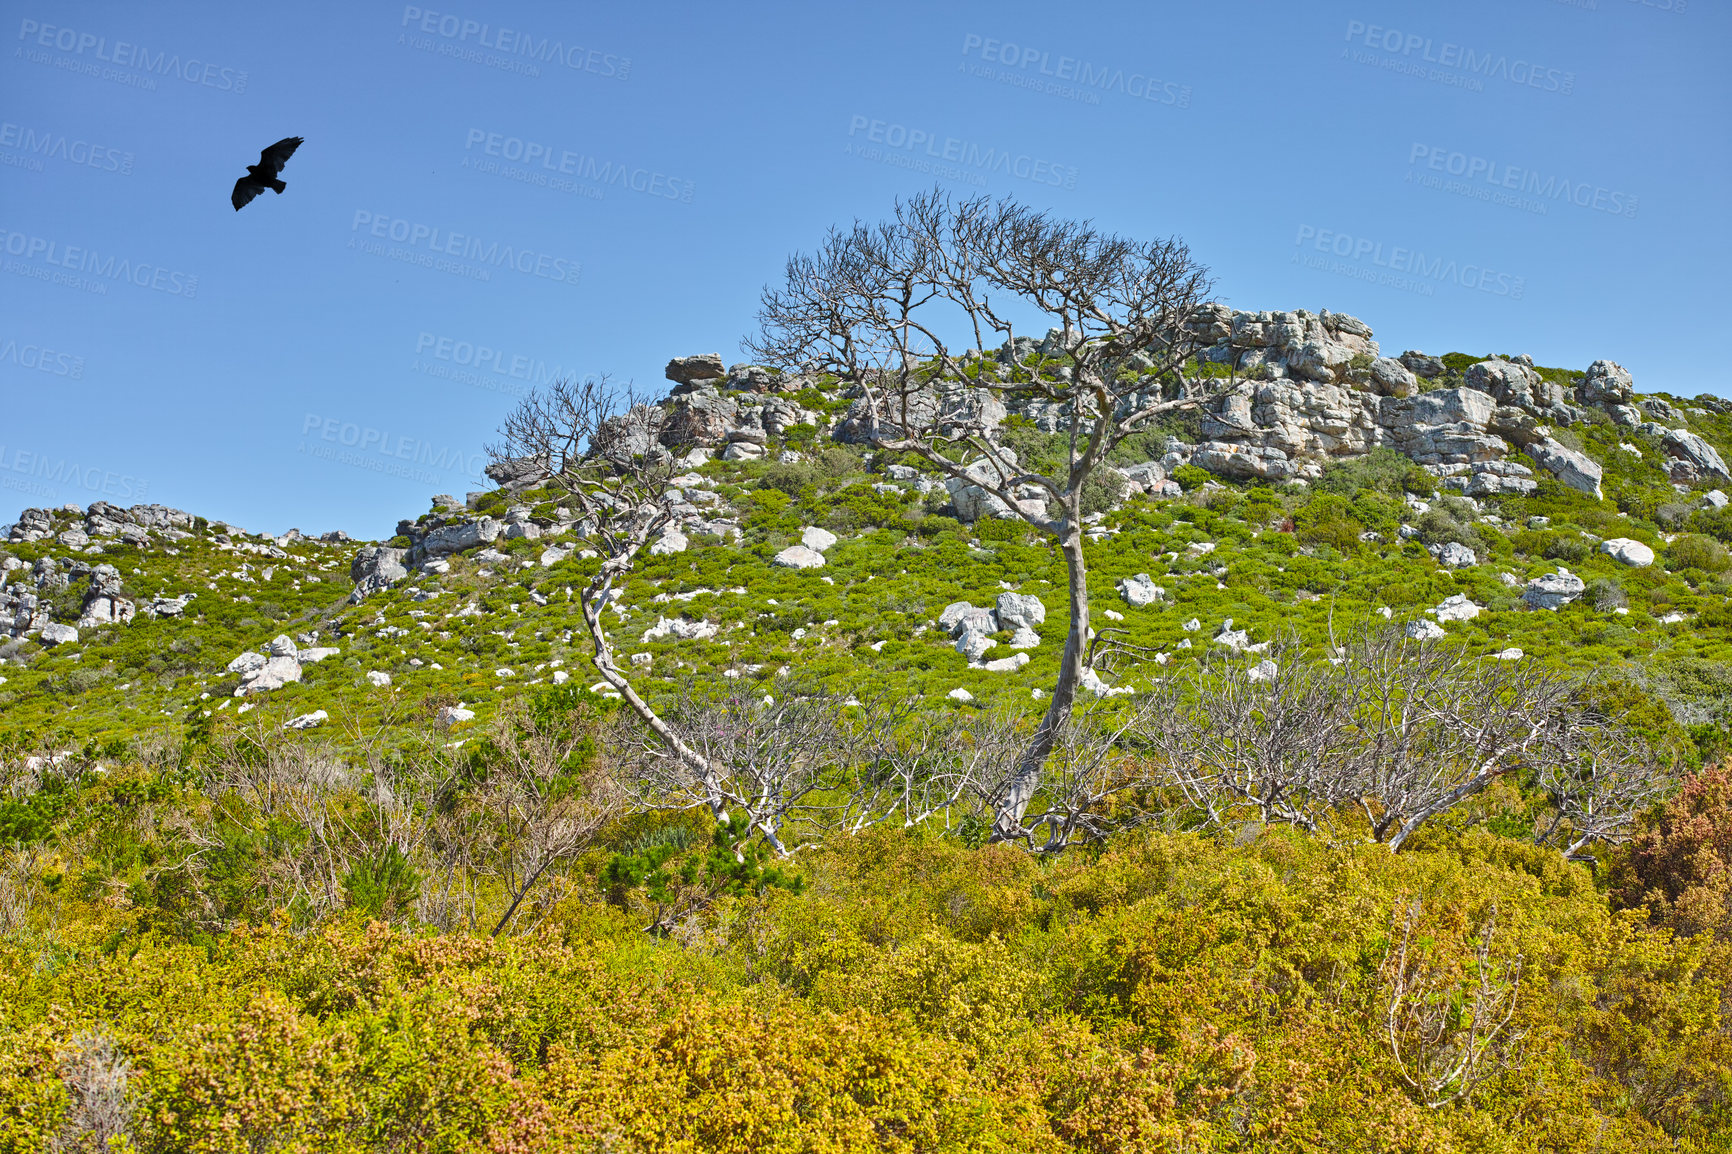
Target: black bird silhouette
(263,175)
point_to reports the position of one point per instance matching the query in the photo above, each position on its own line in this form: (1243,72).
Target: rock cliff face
(1308,388)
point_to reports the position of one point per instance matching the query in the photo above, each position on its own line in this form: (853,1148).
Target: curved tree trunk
(1020,790)
(594,598)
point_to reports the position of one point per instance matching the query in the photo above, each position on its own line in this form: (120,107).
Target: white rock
(671,541)
(307,720)
(1672,619)
(1715,499)
(1510,654)
(317,654)
(1019,610)
(743,451)
(1024,638)
(1264,670)
(643,659)
(1457,608)
(974,644)
(679,627)
(1092,682)
(553,555)
(503,672)
(1192,625)
(247,662)
(1628,551)
(1140,590)
(378,678)
(1455,555)
(798,556)
(1113,615)
(1006,664)
(960,695)
(817,539)
(1553,590)
(55,633)
(450,714)
(1386,611)
(1425,630)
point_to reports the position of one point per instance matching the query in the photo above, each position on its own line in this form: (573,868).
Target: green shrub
(1694,551)
(1327,520)
(1192,477)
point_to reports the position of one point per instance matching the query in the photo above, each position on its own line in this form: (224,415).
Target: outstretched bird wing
(272,159)
(245,189)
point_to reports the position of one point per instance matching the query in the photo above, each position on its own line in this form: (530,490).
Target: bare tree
(602,448)
(920,765)
(101,1100)
(1438,726)
(543,801)
(1447,1026)
(1598,780)
(1402,730)
(1278,737)
(1096,780)
(869,308)
(756,754)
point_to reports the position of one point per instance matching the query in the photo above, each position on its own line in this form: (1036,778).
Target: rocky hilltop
(1520,488)
(1315,388)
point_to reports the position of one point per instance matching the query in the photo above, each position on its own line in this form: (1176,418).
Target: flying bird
(263,175)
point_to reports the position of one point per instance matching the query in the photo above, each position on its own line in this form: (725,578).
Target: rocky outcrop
(376,567)
(103,602)
(1692,458)
(1572,468)
(1606,383)
(973,501)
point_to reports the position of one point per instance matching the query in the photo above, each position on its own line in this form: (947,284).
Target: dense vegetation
(390,933)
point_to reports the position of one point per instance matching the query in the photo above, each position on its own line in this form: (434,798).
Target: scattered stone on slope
(1572,468)
(1140,591)
(681,629)
(1553,590)
(799,557)
(1628,551)
(54,633)
(1457,607)
(1019,611)
(1424,630)
(817,539)
(1455,555)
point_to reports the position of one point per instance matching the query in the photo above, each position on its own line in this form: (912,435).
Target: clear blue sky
(1511,176)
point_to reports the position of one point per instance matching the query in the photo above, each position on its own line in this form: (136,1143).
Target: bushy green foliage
(1191,478)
